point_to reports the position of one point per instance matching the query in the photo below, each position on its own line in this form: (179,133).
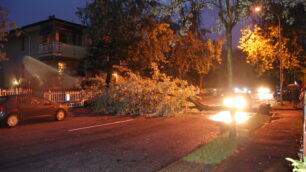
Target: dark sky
(24,12)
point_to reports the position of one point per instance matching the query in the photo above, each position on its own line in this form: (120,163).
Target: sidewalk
(264,152)
(267,150)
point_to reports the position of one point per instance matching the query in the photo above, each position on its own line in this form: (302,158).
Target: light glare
(228,102)
(68,97)
(264,94)
(264,90)
(240,102)
(235,102)
(257,9)
(115,74)
(225,117)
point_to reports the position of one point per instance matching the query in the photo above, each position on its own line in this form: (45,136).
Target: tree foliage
(191,53)
(155,43)
(229,14)
(212,53)
(112,25)
(5,26)
(263,49)
(180,53)
(135,95)
(140,39)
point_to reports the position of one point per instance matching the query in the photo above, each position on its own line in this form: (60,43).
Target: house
(55,42)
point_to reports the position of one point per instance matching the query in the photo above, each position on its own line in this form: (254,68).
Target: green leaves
(299,166)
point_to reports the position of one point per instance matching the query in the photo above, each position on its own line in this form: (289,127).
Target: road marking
(101,125)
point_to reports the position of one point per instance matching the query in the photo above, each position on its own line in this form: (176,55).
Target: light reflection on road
(225,116)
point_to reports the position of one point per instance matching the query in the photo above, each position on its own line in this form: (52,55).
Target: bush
(160,96)
(299,166)
(90,83)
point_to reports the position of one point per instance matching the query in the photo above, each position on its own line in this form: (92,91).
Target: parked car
(286,95)
(14,109)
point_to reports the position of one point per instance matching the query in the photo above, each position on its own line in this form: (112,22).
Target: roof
(51,18)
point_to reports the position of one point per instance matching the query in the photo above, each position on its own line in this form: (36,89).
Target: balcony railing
(61,49)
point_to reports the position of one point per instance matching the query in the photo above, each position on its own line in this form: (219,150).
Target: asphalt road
(102,143)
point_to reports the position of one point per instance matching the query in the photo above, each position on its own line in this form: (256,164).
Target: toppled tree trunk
(198,104)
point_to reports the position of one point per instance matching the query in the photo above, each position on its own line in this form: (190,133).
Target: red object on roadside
(1,108)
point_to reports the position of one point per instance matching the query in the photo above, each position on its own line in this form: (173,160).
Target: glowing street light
(116,76)
(257,10)
(15,82)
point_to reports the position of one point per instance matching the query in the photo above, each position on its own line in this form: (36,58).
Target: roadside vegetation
(299,165)
(224,146)
(134,95)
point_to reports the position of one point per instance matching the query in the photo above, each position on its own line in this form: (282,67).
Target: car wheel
(12,120)
(60,115)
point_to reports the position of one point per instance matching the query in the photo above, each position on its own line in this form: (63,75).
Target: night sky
(24,12)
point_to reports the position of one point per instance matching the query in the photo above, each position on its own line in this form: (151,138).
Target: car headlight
(235,102)
(264,94)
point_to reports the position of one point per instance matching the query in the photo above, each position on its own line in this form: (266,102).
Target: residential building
(55,42)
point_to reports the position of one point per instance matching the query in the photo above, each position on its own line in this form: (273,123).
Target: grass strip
(224,146)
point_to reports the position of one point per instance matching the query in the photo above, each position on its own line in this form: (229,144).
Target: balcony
(61,49)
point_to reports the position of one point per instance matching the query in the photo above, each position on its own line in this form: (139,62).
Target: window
(46,38)
(77,39)
(62,37)
(74,39)
(22,43)
(79,42)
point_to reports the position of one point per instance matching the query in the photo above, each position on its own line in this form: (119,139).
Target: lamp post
(258,9)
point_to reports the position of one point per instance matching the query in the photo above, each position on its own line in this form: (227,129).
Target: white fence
(15,91)
(69,98)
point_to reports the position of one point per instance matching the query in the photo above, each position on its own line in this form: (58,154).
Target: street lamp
(258,9)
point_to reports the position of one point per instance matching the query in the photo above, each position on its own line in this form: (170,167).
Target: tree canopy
(5,26)
(263,49)
(229,14)
(264,40)
(140,38)
(111,26)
